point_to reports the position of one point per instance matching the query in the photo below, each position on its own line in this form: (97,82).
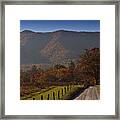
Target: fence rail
(55,93)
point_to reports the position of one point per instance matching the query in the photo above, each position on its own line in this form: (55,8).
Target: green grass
(72,93)
(54,93)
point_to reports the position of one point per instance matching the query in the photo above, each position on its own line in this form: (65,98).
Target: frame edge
(2,66)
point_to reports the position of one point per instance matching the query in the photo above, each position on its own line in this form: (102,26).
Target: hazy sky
(53,25)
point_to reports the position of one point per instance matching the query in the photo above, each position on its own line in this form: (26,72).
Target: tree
(71,65)
(59,66)
(89,66)
(34,69)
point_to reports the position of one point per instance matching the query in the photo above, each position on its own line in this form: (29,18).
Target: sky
(54,25)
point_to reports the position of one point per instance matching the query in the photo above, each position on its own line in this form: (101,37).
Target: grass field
(55,93)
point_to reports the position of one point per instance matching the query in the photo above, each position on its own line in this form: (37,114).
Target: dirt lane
(91,93)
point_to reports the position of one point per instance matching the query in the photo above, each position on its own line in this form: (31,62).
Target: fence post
(48,97)
(58,94)
(41,97)
(53,96)
(33,98)
(65,89)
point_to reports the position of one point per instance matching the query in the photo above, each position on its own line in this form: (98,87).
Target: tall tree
(89,65)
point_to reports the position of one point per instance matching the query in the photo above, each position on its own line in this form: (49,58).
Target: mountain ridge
(59,31)
(56,46)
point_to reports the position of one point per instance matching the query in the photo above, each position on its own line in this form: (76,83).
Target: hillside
(55,47)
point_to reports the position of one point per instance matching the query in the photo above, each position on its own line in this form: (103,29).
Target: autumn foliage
(85,70)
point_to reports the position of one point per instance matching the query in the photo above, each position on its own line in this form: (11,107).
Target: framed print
(60,60)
